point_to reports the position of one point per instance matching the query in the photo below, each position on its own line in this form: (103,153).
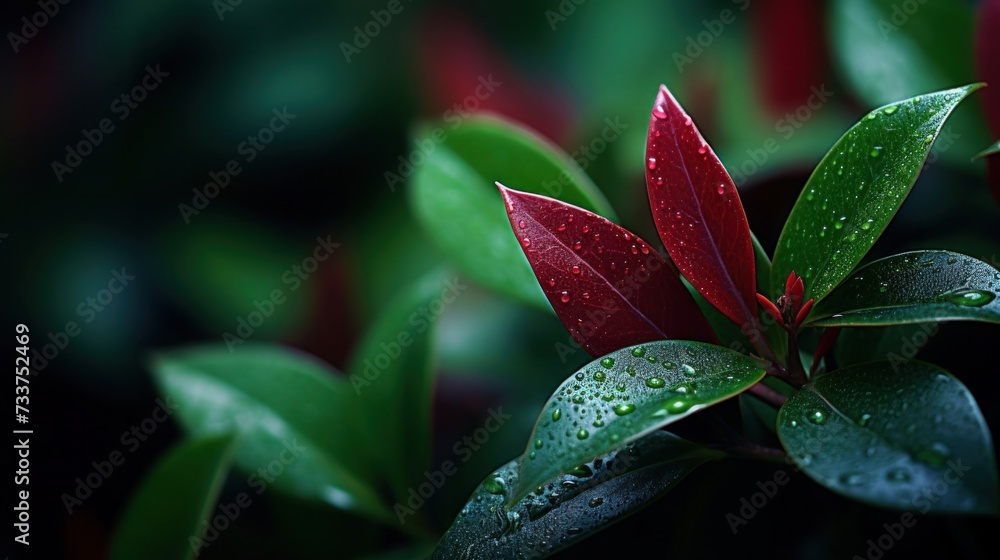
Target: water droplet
(794,423)
(687,121)
(495,485)
(898,474)
(598,423)
(929,139)
(531,455)
(552,282)
(538,444)
(678,405)
(564,297)
(659,112)
(608,363)
(599,376)
(689,370)
(594,502)
(521,224)
(585,229)
(582,434)
(638,351)
(852,478)
(630,370)
(577,246)
(867,225)
(526,242)
(970,298)
(651,163)
(575,269)
(578,399)
(817,417)
(721,189)
(585,295)
(635,250)
(651,358)
(876,151)
(561,228)
(581,471)
(624,409)
(556,415)
(873,115)
(890,110)
(655,383)
(811,194)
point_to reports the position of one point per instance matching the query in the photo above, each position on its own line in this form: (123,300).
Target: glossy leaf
(916,287)
(609,288)
(392,375)
(572,506)
(626,395)
(906,436)
(164,517)
(454,198)
(468,223)
(856,190)
(277,401)
(698,212)
(504,151)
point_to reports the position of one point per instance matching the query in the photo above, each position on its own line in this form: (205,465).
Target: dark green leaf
(277,401)
(626,395)
(856,190)
(902,435)
(572,506)
(455,200)
(164,518)
(871,344)
(917,287)
(992,150)
(392,375)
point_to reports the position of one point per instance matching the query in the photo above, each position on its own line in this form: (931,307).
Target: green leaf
(466,219)
(856,190)
(916,287)
(899,435)
(886,53)
(455,200)
(572,506)
(392,375)
(992,150)
(870,344)
(626,395)
(503,151)
(282,404)
(165,515)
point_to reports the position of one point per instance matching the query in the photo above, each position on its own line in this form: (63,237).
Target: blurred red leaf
(988,63)
(459,62)
(608,287)
(790,51)
(698,212)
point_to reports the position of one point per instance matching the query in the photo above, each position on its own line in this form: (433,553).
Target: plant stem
(754,451)
(768,395)
(796,375)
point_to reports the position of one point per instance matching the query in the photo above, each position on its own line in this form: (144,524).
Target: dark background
(324,176)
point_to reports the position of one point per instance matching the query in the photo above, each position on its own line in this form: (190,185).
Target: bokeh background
(798,72)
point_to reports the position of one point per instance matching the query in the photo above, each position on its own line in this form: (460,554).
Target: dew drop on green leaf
(624,409)
(689,370)
(817,417)
(970,298)
(655,382)
(556,414)
(582,434)
(638,351)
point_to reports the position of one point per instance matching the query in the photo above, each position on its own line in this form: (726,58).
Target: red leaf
(698,212)
(987,66)
(608,287)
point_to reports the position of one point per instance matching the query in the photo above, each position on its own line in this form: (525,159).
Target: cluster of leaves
(671,334)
